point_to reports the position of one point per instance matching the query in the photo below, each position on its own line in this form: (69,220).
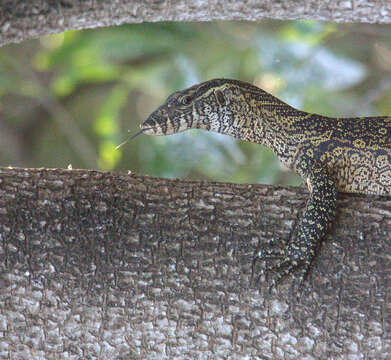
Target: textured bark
(103,265)
(20,19)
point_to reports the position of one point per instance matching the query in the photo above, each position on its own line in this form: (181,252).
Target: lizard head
(204,106)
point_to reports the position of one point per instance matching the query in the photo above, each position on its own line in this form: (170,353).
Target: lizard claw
(288,261)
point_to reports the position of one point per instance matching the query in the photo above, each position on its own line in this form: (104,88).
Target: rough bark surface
(103,265)
(20,19)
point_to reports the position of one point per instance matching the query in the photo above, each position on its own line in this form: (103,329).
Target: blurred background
(69,99)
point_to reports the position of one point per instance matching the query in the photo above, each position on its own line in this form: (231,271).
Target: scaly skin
(330,154)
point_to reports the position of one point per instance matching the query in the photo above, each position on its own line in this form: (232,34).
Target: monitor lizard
(332,155)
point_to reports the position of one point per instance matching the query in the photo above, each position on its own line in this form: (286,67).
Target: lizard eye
(220,97)
(185,100)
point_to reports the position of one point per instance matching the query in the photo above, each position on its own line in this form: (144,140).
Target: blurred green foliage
(71,98)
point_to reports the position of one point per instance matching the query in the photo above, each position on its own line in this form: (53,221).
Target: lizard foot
(318,215)
(290,259)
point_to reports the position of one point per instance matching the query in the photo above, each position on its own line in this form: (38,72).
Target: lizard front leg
(319,213)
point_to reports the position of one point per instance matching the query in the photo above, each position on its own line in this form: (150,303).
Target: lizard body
(331,154)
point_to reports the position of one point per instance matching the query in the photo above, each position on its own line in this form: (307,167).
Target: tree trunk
(20,19)
(105,265)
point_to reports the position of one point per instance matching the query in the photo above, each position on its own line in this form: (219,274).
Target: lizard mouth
(150,127)
(154,125)
(147,130)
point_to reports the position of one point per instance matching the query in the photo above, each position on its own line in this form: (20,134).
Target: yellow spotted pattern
(331,154)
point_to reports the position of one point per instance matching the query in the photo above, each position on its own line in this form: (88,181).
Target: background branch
(20,20)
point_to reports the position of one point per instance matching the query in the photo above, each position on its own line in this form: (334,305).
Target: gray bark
(20,19)
(103,265)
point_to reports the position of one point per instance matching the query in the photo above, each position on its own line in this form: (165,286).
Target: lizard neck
(262,118)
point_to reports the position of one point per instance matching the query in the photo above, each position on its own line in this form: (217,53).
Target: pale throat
(258,130)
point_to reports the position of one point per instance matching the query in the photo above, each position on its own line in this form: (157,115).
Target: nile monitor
(331,154)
